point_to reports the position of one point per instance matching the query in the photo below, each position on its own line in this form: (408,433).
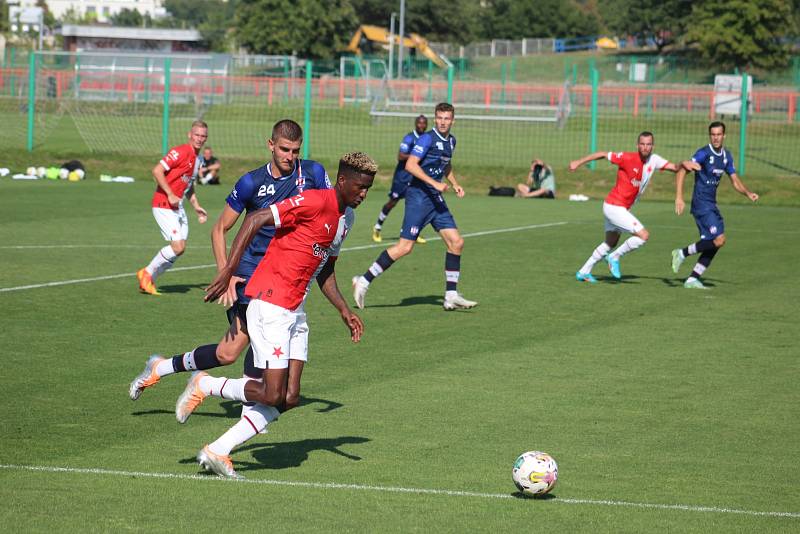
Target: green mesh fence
(116,104)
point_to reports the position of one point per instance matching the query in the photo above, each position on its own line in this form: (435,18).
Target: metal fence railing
(55,101)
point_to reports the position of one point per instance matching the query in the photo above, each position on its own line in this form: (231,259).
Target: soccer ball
(534,473)
(30,171)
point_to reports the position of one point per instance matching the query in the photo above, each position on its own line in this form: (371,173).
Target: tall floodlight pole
(391,44)
(402,34)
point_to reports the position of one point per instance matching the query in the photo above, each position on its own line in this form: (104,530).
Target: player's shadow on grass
(428,300)
(678,282)
(634,279)
(233,409)
(282,455)
(180,288)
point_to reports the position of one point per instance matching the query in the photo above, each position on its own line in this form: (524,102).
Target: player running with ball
(634,172)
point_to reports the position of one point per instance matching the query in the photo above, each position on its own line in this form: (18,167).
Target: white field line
(47,247)
(395,489)
(210,265)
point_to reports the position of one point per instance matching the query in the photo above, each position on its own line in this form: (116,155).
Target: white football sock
(698,268)
(248,407)
(162,261)
(632,243)
(227,388)
(252,423)
(598,254)
(165,368)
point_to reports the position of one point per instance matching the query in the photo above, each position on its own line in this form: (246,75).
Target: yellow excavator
(375,34)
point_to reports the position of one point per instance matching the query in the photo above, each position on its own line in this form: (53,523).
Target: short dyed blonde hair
(357,163)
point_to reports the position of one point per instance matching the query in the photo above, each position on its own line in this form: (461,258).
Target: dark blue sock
(452,270)
(383,262)
(203,357)
(705,260)
(704,245)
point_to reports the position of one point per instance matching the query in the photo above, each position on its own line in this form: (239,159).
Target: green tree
(72,16)
(515,19)
(308,27)
(127,17)
(454,21)
(743,33)
(4,25)
(662,21)
(212,18)
(47,15)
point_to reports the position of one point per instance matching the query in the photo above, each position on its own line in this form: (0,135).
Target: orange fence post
(792,106)
(636,103)
(341,92)
(487,95)
(269,92)
(711,109)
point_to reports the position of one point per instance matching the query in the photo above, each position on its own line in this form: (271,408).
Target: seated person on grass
(541,182)
(208,168)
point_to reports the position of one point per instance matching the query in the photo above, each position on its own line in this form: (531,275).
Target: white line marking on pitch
(394,489)
(37,247)
(210,265)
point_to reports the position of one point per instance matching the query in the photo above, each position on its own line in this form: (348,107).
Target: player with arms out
(174,175)
(284,176)
(429,163)
(402,178)
(634,172)
(709,163)
(307,225)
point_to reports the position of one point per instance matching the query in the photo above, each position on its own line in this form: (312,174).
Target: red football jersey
(632,176)
(179,163)
(305,226)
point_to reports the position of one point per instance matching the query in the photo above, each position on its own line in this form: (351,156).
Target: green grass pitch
(682,404)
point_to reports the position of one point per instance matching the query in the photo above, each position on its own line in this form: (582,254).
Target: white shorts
(618,218)
(277,335)
(173,223)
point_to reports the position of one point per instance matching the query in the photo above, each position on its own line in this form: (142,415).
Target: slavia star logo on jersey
(277,352)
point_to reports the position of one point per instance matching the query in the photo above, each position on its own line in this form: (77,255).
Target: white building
(102,9)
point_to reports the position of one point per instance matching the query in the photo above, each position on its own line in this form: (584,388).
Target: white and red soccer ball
(534,473)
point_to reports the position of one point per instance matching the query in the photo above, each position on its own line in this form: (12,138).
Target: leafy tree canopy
(743,33)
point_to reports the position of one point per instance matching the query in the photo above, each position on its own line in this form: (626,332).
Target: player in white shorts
(174,175)
(634,172)
(306,227)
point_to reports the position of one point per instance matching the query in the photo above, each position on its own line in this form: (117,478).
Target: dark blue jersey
(408,142)
(434,153)
(258,189)
(712,166)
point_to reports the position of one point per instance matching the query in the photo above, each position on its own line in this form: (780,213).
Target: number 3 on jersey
(264,190)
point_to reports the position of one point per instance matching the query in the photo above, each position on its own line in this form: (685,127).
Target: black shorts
(237,310)
(549,194)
